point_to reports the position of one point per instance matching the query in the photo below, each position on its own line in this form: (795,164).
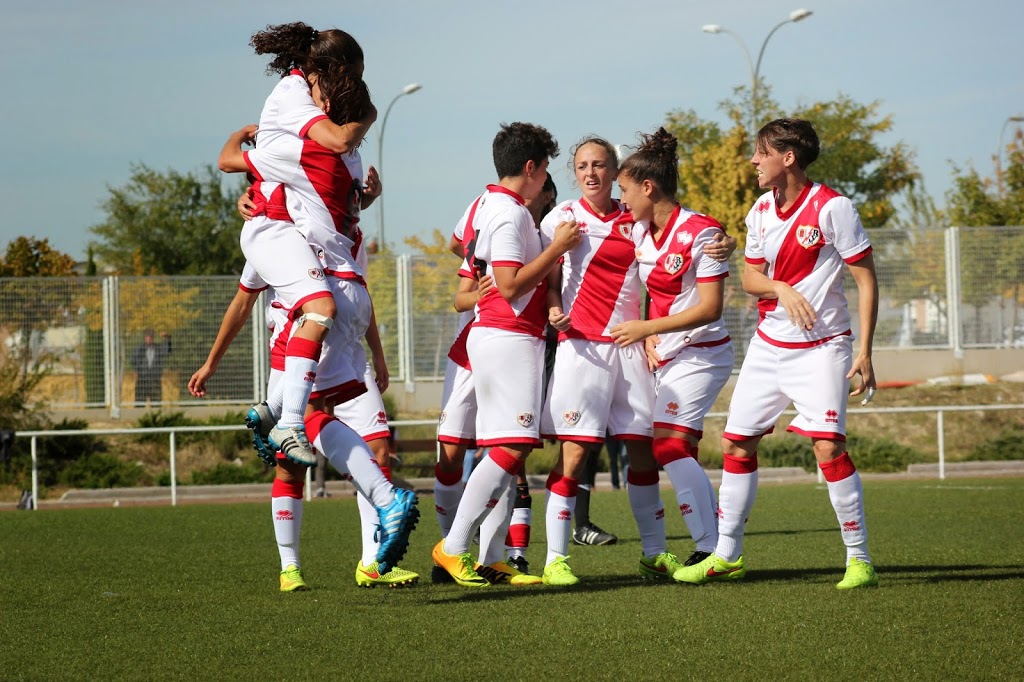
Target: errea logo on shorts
(831,417)
(673,263)
(315,273)
(382,417)
(571,417)
(672,409)
(525,419)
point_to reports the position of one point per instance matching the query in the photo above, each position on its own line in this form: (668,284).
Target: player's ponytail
(655,160)
(298,45)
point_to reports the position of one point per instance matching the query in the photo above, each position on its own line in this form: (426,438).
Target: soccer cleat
(559,574)
(696,558)
(859,573)
(291,580)
(397,521)
(370,576)
(439,576)
(502,572)
(592,535)
(293,443)
(458,566)
(711,569)
(662,565)
(261,420)
(519,563)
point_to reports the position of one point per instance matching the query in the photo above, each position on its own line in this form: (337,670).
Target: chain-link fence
(939,288)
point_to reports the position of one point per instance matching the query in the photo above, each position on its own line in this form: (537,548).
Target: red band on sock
(560,484)
(668,450)
(634,477)
(739,465)
(386,470)
(304,348)
(448,478)
(838,469)
(518,536)
(315,423)
(291,489)
(506,460)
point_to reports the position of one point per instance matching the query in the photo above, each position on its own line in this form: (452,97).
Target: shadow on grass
(586,586)
(898,574)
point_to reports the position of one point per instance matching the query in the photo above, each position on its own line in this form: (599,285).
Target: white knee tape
(317,318)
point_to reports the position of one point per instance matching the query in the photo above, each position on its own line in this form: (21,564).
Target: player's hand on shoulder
(721,247)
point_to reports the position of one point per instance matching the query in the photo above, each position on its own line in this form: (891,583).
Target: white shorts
(813,379)
(688,385)
(457,423)
(507,370)
(284,261)
(597,387)
(365,414)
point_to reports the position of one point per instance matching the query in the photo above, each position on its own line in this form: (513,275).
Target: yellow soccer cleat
(370,576)
(859,573)
(291,580)
(711,569)
(559,574)
(458,566)
(502,572)
(662,565)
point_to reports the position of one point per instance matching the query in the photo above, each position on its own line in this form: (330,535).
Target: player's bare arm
(556,318)
(863,272)
(707,310)
(234,319)
(721,247)
(471,291)
(372,188)
(757,283)
(246,206)
(231,159)
(515,282)
(341,139)
(380,363)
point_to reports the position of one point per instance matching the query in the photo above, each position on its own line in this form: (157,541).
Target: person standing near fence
(148,362)
(799,235)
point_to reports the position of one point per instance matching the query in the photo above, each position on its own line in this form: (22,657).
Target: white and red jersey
(671,267)
(600,284)
(458,353)
(288,114)
(806,247)
(505,236)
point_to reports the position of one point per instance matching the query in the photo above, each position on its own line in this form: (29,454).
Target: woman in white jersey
(799,236)
(270,241)
(688,345)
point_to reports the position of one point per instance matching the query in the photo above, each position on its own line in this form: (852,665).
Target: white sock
(847,495)
(488,482)
(735,499)
(349,454)
(447,495)
(287,513)
(558,514)
(518,539)
(696,501)
(494,527)
(648,510)
(368,522)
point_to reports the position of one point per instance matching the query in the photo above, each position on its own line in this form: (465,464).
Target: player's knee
(451,457)
(746,447)
(289,471)
(828,450)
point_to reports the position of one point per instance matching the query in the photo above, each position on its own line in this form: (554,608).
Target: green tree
(171,224)
(31,257)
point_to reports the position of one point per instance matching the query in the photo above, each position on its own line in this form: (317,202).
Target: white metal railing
(939,410)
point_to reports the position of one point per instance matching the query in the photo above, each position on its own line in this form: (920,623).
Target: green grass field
(191,593)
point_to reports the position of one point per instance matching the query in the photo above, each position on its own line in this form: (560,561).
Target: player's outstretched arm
(234,319)
(863,272)
(231,159)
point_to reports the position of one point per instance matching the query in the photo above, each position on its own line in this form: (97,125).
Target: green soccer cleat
(458,566)
(559,574)
(662,565)
(711,569)
(291,580)
(859,573)
(370,576)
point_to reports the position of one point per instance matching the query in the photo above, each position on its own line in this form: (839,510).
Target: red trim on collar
(796,204)
(498,189)
(658,243)
(590,209)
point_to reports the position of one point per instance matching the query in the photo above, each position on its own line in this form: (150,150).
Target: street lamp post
(999,150)
(407,90)
(755,68)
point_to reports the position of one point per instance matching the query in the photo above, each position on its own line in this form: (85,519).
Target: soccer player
(505,345)
(799,235)
(687,343)
(270,241)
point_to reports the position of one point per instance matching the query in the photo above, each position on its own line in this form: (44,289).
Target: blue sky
(95,86)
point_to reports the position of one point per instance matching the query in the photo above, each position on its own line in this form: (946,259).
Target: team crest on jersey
(444,415)
(571,417)
(626,229)
(808,235)
(316,273)
(673,263)
(525,419)
(684,238)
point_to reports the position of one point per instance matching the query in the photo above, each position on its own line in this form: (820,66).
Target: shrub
(158,419)
(227,472)
(227,443)
(880,455)
(1007,444)
(101,470)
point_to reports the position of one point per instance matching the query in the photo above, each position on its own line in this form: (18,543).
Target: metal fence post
(113,335)
(260,351)
(403,279)
(174,472)
(940,425)
(35,474)
(953,298)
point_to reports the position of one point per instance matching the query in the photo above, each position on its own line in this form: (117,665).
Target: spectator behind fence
(148,363)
